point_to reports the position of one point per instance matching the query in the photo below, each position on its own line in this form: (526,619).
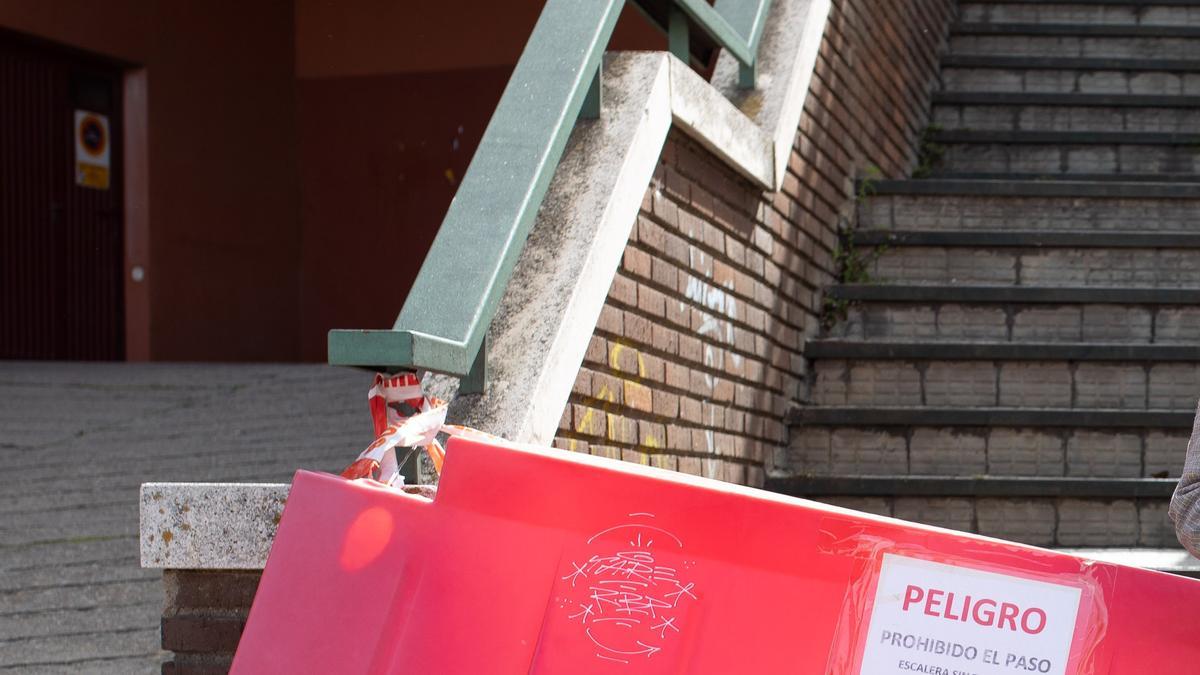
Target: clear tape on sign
(911,609)
(405,417)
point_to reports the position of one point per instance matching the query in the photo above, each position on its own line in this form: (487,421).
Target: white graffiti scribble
(627,594)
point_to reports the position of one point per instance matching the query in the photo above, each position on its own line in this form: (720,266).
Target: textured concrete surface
(209,525)
(77,440)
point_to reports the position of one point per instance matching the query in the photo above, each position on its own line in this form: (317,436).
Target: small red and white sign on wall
(92,150)
(934,618)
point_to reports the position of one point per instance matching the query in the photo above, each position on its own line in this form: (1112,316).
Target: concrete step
(909,416)
(1013,238)
(985,451)
(1021,295)
(907,350)
(1039,266)
(1013,383)
(1082,76)
(1029,206)
(1145,155)
(1066,112)
(1075,40)
(1041,325)
(1172,561)
(1163,12)
(1045,512)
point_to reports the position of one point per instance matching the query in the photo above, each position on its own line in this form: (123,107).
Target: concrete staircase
(1023,360)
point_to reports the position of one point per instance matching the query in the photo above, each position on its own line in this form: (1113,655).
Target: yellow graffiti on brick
(614,358)
(584,421)
(614,354)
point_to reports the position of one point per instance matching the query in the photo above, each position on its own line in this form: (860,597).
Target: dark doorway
(61,243)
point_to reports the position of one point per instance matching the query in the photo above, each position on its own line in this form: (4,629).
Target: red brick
(664,339)
(714,238)
(611,321)
(624,359)
(651,235)
(202,632)
(623,290)
(637,328)
(679,438)
(588,421)
(678,375)
(621,429)
(606,451)
(638,396)
(691,349)
(653,435)
(665,404)
(651,301)
(607,388)
(201,589)
(691,465)
(690,410)
(701,384)
(583,383)
(723,389)
(666,210)
(597,351)
(637,262)
(653,368)
(664,273)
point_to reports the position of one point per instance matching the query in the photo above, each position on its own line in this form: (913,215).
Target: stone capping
(550,307)
(209,525)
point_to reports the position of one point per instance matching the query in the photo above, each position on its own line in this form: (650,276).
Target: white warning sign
(940,619)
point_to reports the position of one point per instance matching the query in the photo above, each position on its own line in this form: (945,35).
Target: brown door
(61,282)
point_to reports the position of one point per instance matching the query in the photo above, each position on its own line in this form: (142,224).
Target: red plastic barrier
(541,561)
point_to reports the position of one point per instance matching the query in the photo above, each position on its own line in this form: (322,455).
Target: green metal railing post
(677,35)
(747,18)
(594,100)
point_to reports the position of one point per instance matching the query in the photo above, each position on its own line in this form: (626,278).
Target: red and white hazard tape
(404,417)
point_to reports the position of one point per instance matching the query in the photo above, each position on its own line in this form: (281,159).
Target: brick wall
(203,619)
(698,352)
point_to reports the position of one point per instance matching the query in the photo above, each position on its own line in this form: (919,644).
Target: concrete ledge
(1175,561)
(209,525)
(1020,137)
(1075,30)
(214,526)
(1111,178)
(1000,351)
(999,186)
(1015,294)
(986,486)
(990,61)
(1098,418)
(1069,100)
(1027,239)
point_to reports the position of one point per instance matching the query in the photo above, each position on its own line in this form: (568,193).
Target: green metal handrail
(445,318)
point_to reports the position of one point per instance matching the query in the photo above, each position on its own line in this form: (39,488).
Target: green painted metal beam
(747,18)
(451,304)
(708,19)
(444,321)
